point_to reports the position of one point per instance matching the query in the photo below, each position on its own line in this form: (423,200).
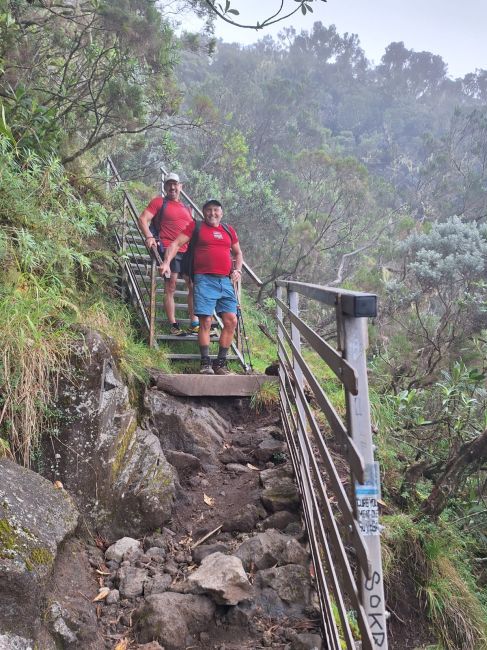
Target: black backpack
(188,259)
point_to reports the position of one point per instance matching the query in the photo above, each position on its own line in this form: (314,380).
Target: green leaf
(309,8)
(234,11)
(303,10)
(4,127)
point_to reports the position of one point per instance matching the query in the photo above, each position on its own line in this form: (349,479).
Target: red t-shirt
(174,220)
(212,251)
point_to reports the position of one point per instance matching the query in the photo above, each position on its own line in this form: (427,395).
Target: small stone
(121,547)
(204,637)
(156,554)
(171,568)
(113,597)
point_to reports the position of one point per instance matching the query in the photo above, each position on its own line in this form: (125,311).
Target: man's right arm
(144,222)
(170,252)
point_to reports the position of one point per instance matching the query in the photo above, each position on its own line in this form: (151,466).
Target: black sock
(222,353)
(205,350)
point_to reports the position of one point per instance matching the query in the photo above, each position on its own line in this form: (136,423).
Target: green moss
(8,539)
(123,445)
(40,556)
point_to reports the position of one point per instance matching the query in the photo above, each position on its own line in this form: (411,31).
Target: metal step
(189,338)
(196,357)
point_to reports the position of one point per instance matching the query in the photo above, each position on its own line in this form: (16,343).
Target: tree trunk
(469,458)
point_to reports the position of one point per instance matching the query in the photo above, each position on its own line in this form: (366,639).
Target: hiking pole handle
(158,258)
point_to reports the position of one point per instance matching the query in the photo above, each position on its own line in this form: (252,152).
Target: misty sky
(455,30)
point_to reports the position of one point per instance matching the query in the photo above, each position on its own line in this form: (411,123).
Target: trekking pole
(240,322)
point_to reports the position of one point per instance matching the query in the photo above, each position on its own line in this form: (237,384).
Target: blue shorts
(213,293)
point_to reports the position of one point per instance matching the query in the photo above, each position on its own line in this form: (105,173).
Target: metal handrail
(357,526)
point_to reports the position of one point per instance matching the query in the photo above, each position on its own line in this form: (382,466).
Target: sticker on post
(367,509)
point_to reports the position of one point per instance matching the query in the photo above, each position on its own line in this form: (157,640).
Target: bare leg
(204,331)
(190,285)
(169,289)
(229,327)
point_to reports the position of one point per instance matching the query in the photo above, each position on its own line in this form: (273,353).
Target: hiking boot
(205,367)
(176,330)
(193,329)
(220,367)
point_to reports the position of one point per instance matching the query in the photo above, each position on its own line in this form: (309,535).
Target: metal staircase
(144,288)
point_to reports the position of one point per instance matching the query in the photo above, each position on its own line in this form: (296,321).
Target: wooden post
(366,495)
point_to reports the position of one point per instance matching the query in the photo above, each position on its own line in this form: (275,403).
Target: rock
(280,520)
(113,597)
(238,469)
(12,642)
(121,548)
(186,464)
(171,567)
(156,554)
(169,618)
(158,584)
(243,522)
(290,582)
(269,548)
(282,495)
(62,627)
(200,552)
(269,449)
(223,577)
(272,431)
(131,581)
(183,425)
(145,484)
(269,477)
(35,518)
(117,475)
(233,455)
(306,641)
(155,540)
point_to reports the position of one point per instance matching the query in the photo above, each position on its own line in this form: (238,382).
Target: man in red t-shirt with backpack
(174,219)
(213,276)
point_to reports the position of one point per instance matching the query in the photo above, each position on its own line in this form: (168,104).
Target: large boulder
(170,617)
(269,549)
(35,518)
(182,425)
(223,578)
(115,470)
(283,590)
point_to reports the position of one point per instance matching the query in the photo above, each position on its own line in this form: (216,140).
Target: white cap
(171,177)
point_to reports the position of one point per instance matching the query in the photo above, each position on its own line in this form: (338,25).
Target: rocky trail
(175,525)
(230,570)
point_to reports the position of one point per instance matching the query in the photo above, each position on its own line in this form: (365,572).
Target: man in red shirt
(213,276)
(176,217)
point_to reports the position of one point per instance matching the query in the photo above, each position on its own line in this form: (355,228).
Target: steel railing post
(152,307)
(367,494)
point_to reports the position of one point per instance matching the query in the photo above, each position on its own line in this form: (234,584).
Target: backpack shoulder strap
(226,228)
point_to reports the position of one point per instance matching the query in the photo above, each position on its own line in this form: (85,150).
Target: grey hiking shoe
(175,330)
(220,367)
(205,368)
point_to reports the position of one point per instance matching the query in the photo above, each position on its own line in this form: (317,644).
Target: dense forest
(333,171)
